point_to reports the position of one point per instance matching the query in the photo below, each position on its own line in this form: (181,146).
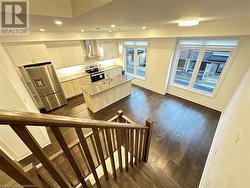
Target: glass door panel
(185,67)
(211,67)
(130,52)
(141,62)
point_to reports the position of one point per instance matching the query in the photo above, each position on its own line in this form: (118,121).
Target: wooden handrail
(117,133)
(37,119)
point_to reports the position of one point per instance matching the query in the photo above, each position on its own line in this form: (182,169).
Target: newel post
(120,114)
(147,139)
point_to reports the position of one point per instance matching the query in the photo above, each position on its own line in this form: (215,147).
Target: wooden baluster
(88,154)
(141,145)
(131,147)
(64,173)
(126,143)
(84,158)
(59,137)
(136,145)
(147,139)
(46,177)
(100,151)
(111,152)
(14,171)
(30,170)
(104,142)
(37,151)
(113,139)
(119,144)
(94,147)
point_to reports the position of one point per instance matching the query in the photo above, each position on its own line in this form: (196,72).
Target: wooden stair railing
(106,137)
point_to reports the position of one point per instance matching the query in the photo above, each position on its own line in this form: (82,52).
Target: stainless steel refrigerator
(47,85)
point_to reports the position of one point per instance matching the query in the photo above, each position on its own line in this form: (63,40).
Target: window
(136,58)
(199,64)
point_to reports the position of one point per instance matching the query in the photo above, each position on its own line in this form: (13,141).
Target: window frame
(202,49)
(135,47)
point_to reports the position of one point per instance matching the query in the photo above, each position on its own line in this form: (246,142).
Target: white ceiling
(130,14)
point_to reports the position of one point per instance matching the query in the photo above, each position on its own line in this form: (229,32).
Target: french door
(136,61)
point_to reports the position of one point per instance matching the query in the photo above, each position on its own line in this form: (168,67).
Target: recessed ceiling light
(82,30)
(113,26)
(42,29)
(143,27)
(58,22)
(110,31)
(190,22)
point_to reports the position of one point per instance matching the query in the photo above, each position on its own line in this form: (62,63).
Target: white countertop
(103,85)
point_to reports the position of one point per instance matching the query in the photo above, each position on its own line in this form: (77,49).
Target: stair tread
(125,181)
(158,177)
(141,178)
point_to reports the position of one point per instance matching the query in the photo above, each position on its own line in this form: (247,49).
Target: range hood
(91,50)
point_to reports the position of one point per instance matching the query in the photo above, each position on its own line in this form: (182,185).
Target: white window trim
(125,60)
(197,66)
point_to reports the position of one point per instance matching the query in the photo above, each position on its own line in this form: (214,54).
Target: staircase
(113,154)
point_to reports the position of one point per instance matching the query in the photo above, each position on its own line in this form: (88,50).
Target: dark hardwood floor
(182,134)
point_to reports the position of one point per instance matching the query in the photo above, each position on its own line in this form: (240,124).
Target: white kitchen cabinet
(110,48)
(77,53)
(66,54)
(39,53)
(72,88)
(113,72)
(56,58)
(68,88)
(20,55)
(27,54)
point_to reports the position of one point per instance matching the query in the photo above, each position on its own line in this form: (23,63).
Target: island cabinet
(101,94)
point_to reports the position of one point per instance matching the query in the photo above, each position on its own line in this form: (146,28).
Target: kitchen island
(101,94)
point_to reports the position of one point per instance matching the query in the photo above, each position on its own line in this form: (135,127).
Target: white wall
(228,163)
(14,96)
(159,56)
(238,67)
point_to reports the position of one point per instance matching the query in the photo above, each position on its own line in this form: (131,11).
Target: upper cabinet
(66,54)
(109,47)
(39,53)
(27,54)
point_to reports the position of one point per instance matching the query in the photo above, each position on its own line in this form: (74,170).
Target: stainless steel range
(46,83)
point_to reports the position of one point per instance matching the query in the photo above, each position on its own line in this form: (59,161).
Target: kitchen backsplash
(67,71)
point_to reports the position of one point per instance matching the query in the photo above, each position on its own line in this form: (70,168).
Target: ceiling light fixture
(42,29)
(110,31)
(143,27)
(190,22)
(113,26)
(82,30)
(58,22)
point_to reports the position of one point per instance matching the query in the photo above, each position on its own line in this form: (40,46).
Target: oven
(97,76)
